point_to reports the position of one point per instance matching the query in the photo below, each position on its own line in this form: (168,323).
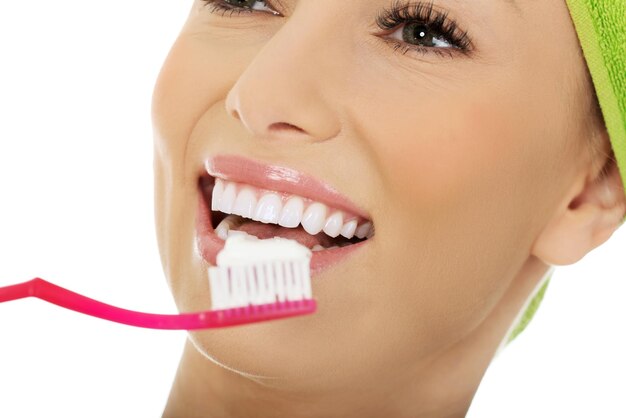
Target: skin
(479,173)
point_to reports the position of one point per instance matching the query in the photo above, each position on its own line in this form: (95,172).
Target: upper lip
(280,179)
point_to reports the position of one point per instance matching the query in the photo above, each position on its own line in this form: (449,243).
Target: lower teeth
(225,230)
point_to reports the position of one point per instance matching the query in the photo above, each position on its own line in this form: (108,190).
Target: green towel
(601,29)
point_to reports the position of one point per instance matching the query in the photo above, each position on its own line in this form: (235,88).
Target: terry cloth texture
(601,29)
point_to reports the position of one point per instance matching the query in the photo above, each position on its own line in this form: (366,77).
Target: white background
(76,208)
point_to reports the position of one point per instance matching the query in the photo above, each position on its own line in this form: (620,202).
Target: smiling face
(458,153)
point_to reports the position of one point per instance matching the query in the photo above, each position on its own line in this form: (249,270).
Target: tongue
(265,231)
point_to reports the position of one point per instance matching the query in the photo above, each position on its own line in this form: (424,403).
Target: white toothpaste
(243,249)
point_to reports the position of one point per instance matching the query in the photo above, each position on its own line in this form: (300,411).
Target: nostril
(235,114)
(280,126)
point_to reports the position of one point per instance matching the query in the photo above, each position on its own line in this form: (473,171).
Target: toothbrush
(240,294)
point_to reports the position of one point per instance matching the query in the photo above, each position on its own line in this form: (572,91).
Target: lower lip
(209,244)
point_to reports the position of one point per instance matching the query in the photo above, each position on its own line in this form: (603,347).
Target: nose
(280,94)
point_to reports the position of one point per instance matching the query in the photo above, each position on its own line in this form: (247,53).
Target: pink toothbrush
(244,295)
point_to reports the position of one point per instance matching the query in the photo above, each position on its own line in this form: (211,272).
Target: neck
(442,386)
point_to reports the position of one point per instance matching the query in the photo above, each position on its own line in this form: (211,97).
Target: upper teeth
(288,211)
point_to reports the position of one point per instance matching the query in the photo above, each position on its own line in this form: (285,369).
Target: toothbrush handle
(17,291)
(65,298)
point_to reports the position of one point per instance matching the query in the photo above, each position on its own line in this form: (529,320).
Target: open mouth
(236,207)
(237,195)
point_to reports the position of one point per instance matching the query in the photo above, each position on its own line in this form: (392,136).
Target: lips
(280,179)
(270,177)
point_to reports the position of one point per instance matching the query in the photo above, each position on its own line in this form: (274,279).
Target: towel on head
(601,29)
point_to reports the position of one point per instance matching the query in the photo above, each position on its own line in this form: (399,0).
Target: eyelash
(404,13)
(401,12)
(218,6)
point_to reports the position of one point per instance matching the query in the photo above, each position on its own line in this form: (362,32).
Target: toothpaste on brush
(243,249)
(253,271)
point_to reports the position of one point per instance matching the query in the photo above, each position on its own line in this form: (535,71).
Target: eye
(420,34)
(240,6)
(422,28)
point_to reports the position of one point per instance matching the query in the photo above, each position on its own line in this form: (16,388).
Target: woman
(469,136)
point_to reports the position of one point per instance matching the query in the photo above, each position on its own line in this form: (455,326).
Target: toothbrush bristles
(259,284)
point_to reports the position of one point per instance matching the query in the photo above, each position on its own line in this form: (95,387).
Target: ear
(591,212)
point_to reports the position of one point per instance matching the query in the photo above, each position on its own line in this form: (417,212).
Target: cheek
(197,75)
(446,153)
(179,97)
(194,78)
(476,154)
(462,179)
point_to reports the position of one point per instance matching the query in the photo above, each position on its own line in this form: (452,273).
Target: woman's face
(458,157)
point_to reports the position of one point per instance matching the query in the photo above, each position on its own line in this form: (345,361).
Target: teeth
(333,225)
(245,203)
(268,209)
(239,199)
(228,198)
(318,247)
(314,218)
(291,216)
(223,230)
(349,228)
(218,190)
(231,233)
(364,230)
